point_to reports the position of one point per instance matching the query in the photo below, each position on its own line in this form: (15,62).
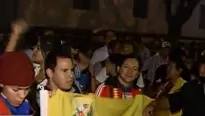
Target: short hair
(125,57)
(51,58)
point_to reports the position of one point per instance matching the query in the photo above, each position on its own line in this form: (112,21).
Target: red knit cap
(16,69)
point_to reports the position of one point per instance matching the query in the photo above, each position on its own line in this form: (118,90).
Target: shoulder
(99,55)
(192,83)
(102,90)
(183,81)
(100,50)
(4,110)
(151,60)
(137,91)
(187,87)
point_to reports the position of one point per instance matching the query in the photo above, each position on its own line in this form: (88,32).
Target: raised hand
(19,27)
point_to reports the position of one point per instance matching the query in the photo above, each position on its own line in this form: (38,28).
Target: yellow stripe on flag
(68,104)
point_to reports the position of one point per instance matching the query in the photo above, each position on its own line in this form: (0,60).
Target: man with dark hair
(59,75)
(59,71)
(152,63)
(103,52)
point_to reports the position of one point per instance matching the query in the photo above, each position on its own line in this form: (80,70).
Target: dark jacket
(112,88)
(190,98)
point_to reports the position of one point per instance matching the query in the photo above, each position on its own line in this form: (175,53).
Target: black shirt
(190,98)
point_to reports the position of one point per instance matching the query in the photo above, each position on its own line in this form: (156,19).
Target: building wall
(115,14)
(191,27)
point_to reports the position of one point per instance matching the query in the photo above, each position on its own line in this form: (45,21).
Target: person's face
(15,95)
(172,71)
(129,70)
(202,70)
(128,49)
(62,75)
(37,55)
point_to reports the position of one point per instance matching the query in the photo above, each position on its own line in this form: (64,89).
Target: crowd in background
(171,73)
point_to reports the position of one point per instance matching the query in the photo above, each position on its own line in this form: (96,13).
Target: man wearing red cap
(16,77)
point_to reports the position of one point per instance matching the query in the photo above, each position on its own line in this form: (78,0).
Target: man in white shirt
(160,58)
(102,53)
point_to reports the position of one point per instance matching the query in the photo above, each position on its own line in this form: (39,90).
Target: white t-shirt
(102,75)
(99,55)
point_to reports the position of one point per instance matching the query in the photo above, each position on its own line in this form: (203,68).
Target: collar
(125,89)
(42,84)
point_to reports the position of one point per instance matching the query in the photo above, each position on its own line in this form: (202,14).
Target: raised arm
(18,28)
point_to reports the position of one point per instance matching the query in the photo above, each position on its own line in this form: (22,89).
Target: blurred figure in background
(161,57)
(143,51)
(81,70)
(174,76)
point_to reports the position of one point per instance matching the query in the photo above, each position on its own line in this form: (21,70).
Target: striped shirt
(151,66)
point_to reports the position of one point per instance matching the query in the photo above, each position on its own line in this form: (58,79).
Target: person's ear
(49,73)
(118,69)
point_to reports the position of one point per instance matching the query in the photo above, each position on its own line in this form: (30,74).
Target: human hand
(19,27)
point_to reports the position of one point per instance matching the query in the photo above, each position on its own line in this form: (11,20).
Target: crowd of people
(170,74)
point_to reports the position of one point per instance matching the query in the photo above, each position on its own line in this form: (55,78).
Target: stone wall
(115,14)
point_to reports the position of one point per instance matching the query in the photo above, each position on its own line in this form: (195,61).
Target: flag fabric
(69,104)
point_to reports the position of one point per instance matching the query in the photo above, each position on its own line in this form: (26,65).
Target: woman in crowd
(174,72)
(122,86)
